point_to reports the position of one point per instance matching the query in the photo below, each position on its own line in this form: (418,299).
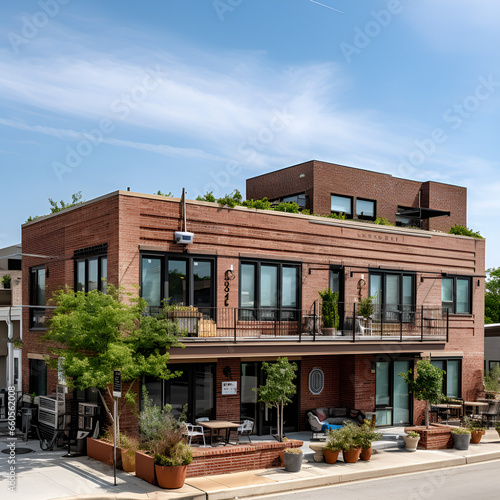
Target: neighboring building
(253,278)
(325,188)
(491,346)
(10,321)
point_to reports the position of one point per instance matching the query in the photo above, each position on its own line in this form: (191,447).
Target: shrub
(330,309)
(491,377)
(6,280)
(463,231)
(460,430)
(177,455)
(413,434)
(296,451)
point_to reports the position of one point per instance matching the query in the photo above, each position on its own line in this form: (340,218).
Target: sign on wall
(229,388)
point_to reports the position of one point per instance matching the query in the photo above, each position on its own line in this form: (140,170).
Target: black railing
(392,323)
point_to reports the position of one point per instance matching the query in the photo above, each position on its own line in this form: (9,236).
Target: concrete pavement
(48,475)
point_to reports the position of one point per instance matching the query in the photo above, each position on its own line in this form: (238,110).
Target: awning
(423,213)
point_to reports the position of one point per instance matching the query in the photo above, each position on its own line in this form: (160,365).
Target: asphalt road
(474,482)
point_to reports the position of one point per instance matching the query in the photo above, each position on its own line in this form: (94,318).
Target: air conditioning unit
(183,237)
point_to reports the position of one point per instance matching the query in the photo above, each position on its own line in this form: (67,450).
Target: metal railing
(386,323)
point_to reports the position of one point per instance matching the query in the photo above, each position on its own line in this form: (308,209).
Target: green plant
(208,196)
(382,221)
(334,440)
(472,425)
(263,204)
(230,200)
(365,307)
(348,437)
(491,379)
(168,195)
(290,207)
(459,430)
(368,435)
(463,231)
(278,389)
(129,443)
(336,216)
(178,454)
(6,280)
(413,434)
(427,386)
(18,343)
(330,308)
(296,451)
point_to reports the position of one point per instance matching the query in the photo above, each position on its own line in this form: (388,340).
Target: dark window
(184,281)
(365,209)
(405,220)
(452,379)
(456,294)
(91,274)
(37,297)
(269,290)
(300,199)
(393,295)
(14,264)
(493,364)
(37,377)
(341,205)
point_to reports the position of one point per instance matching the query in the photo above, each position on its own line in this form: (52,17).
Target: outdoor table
(218,425)
(445,406)
(476,405)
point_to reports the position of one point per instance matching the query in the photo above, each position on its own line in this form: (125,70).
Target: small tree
(330,308)
(96,333)
(427,386)
(278,389)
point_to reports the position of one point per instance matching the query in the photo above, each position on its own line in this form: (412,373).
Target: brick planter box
(437,437)
(103,451)
(224,460)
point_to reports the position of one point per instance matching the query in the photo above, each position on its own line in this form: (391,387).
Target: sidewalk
(48,475)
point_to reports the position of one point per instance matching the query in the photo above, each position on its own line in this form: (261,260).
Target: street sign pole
(117,393)
(114,440)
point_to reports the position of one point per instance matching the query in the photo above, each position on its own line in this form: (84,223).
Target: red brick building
(324,188)
(253,278)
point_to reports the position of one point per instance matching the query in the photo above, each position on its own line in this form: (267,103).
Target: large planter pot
(103,451)
(145,467)
(411,443)
(461,441)
(293,462)
(366,453)
(351,456)
(475,436)
(171,477)
(331,456)
(128,460)
(328,331)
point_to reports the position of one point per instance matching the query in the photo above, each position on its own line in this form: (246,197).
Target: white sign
(229,388)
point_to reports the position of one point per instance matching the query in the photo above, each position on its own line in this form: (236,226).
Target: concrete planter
(293,462)
(461,441)
(411,443)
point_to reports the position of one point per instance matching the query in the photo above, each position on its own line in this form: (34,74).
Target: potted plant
(411,440)
(6,280)
(477,431)
(365,309)
(461,438)
(171,465)
(128,446)
(351,441)
(367,436)
(293,459)
(333,446)
(329,311)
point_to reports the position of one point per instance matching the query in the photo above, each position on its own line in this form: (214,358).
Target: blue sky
(160,95)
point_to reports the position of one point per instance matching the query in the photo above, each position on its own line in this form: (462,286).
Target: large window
(37,377)
(37,297)
(184,281)
(365,209)
(452,380)
(341,205)
(91,274)
(393,295)
(456,294)
(300,199)
(269,290)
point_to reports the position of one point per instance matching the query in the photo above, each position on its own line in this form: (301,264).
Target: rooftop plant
(330,308)
(464,231)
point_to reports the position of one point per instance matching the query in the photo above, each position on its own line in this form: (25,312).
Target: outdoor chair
(194,431)
(245,429)
(490,416)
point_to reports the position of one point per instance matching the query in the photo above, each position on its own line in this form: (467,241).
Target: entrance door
(253,376)
(392,400)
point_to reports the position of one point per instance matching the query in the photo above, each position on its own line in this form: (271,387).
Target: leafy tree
(76,199)
(97,333)
(231,200)
(168,195)
(492,296)
(427,386)
(278,389)
(463,231)
(208,196)
(263,204)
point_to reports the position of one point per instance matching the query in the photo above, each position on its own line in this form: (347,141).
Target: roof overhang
(423,213)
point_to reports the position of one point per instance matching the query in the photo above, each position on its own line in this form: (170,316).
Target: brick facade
(131,223)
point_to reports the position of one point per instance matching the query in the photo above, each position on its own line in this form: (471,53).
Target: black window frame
(101,280)
(350,198)
(367,217)
(445,376)
(35,378)
(405,312)
(265,313)
(451,307)
(37,316)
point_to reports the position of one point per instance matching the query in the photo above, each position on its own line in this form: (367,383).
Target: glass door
(401,396)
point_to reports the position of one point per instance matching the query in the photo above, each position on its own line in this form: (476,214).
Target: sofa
(320,420)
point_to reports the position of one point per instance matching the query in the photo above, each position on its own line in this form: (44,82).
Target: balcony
(386,324)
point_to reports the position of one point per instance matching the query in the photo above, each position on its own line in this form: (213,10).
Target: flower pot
(171,477)
(475,436)
(128,460)
(282,458)
(461,441)
(328,332)
(351,456)
(411,443)
(366,453)
(145,467)
(293,462)
(330,456)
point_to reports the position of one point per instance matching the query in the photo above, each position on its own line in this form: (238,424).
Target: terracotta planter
(103,451)
(128,460)
(475,436)
(330,456)
(145,467)
(351,456)
(282,458)
(366,453)
(171,477)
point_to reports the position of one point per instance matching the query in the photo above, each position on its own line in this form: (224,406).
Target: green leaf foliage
(429,382)
(492,296)
(97,333)
(463,231)
(330,309)
(279,386)
(208,196)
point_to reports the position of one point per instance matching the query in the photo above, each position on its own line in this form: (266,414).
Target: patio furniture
(245,429)
(490,416)
(194,431)
(318,417)
(216,426)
